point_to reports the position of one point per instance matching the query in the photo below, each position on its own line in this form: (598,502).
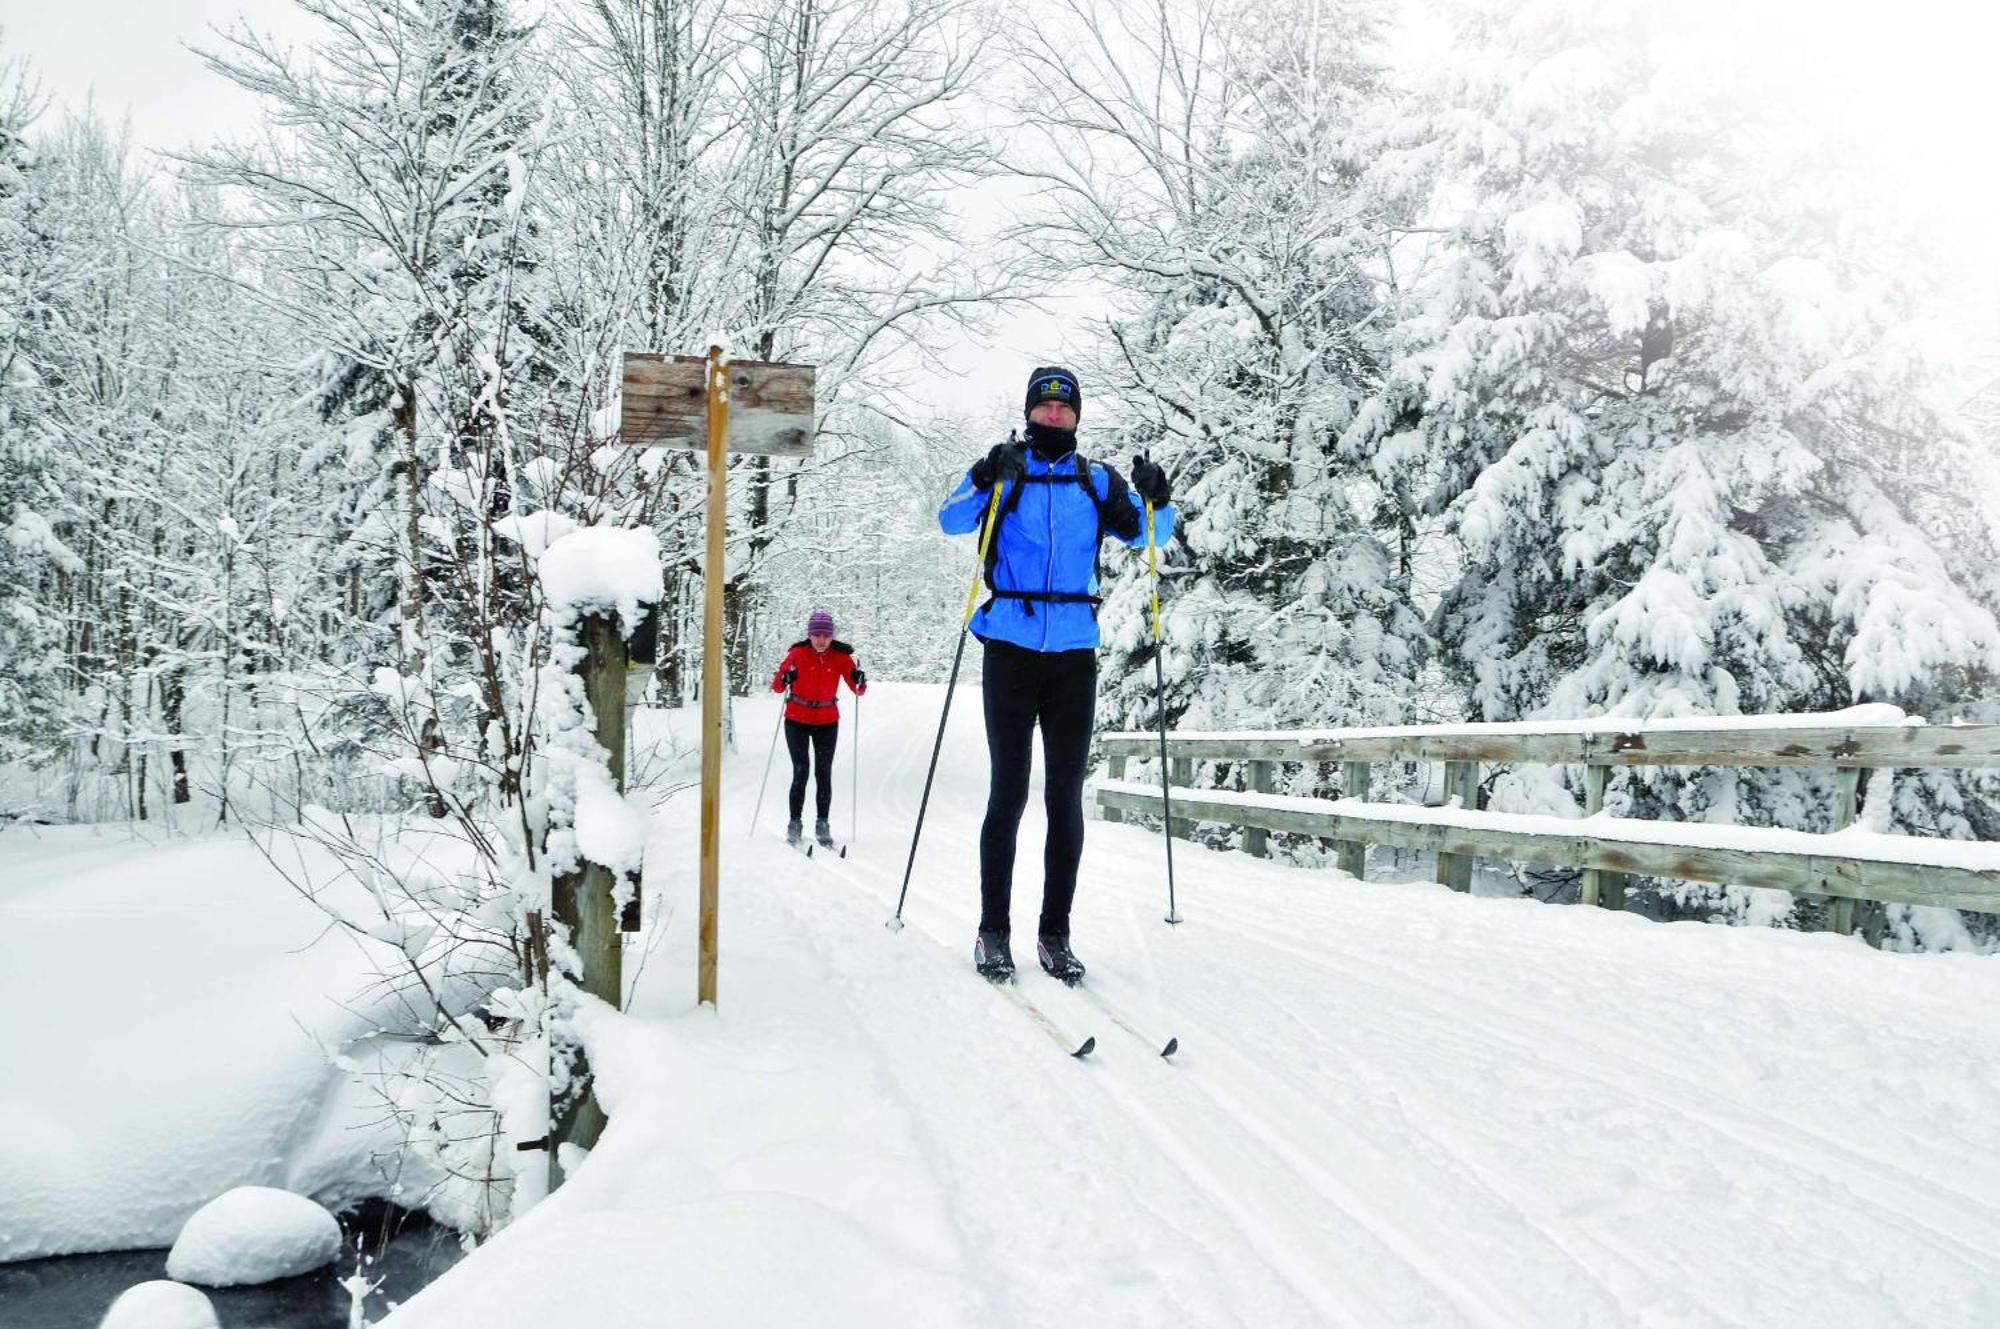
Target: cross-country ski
(1064,1039)
(1166,1047)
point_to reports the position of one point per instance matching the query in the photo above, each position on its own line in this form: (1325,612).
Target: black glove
(1005,462)
(789,677)
(1151,481)
(860,678)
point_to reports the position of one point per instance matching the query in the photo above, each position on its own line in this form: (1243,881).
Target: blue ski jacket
(1048,543)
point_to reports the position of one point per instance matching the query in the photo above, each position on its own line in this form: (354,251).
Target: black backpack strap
(1097,546)
(1078,474)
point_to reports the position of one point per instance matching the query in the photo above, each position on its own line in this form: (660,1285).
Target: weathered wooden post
(712,683)
(691,401)
(1846,806)
(1183,773)
(1115,768)
(1352,855)
(1601,886)
(583,900)
(641,661)
(1256,839)
(1461,782)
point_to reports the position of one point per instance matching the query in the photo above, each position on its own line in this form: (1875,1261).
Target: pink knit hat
(821,621)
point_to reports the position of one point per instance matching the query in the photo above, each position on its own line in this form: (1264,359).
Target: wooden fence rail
(1880,746)
(1899,869)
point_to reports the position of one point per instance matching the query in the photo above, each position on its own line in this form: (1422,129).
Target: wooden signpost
(754,406)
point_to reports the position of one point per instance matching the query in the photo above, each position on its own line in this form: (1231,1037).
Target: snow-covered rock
(254,1234)
(160,1305)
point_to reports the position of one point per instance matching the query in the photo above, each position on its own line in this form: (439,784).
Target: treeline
(1532,367)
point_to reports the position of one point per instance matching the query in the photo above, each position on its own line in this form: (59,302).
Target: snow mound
(160,1305)
(254,1234)
(601,568)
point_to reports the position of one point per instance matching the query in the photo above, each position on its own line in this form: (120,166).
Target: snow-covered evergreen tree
(400,187)
(1680,425)
(1679,418)
(1210,163)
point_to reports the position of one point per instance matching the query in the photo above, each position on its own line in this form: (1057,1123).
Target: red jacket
(819,678)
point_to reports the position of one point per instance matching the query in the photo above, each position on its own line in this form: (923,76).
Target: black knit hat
(1054,383)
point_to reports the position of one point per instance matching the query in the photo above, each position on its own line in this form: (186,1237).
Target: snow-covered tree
(1665,384)
(31,554)
(396,191)
(869,550)
(1680,423)
(1208,160)
(851,129)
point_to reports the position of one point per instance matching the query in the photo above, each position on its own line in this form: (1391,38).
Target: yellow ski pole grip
(985,543)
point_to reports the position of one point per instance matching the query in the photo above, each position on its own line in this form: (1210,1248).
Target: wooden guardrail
(1847,866)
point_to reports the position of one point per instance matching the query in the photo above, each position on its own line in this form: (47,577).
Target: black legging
(821,736)
(1022,687)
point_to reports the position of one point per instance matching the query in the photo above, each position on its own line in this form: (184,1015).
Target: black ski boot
(823,833)
(795,833)
(992,956)
(1058,959)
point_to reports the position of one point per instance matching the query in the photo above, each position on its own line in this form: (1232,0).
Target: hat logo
(1055,387)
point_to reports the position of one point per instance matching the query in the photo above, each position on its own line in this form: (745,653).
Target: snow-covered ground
(168,1011)
(1394,1105)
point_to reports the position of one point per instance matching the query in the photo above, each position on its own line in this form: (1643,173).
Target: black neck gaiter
(1049,443)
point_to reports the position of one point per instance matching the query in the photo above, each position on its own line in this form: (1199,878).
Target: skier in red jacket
(812,670)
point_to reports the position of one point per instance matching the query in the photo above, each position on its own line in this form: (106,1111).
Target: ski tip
(1089,1046)
(1173,1046)
(809,851)
(843,851)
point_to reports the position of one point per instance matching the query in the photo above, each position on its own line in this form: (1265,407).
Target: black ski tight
(821,737)
(1058,689)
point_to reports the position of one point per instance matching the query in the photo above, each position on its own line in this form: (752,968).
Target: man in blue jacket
(1039,631)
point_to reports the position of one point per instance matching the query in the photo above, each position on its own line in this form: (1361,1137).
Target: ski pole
(758,815)
(1160,698)
(854,780)
(971,599)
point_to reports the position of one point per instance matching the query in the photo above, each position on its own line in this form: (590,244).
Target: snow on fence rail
(1849,864)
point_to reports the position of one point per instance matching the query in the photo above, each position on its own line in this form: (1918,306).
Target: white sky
(1917,73)
(133,56)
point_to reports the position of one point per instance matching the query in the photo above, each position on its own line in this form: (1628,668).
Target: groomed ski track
(1391,1105)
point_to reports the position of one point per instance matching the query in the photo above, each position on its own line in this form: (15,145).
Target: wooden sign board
(666,404)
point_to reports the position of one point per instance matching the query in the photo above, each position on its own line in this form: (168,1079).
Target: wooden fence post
(1352,855)
(1846,805)
(583,899)
(1115,768)
(1600,887)
(1183,775)
(1257,840)
(1461,781)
